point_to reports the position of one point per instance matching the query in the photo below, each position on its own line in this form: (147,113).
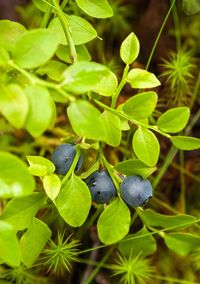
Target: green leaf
(81,30)
(96,9)
(107,84)
(142,79)
(42,110)
(40,166)
(146,146)
(134,167)
(14,104)
(182,243)
(141,105)
(53,69)
(82,77)
(33,241)
(52,185)
(112,126)
(174,120)
(130,49)
(113,224)
(35,48)
(85,120)
(74,202)
(185,142)
(191,7)
(4,57)
(154,219)
(10,32)
(15,180)
(41,5)
(9,245)
(139,243)
(63,53)
(19,212)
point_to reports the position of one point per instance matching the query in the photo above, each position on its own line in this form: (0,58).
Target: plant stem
(159,34)
(174,280)
(120,86)
(46,17)
(177,28)
(182,182)
(64,3)
(67,31)
(196,90)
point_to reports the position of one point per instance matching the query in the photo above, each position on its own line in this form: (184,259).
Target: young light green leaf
(146,146)
(15,179)
(41,111)
(134,167)
(138,243)
(174,120)
(182,243)
(191,7)
(40,166)
(41,5)
(33,241)
(186,142)
(82,77)
(35,48)
(130,49)
(14,104)
(141,105)
(96,9)
(52,185)
(9,245)
(112,127)
(85,120)
(4,57)
(74,202)
(107,84)
(53,69)
(142,79)
(20,211)
(155,219)
(82,53)
(113,224)
(81,30)
(10,32)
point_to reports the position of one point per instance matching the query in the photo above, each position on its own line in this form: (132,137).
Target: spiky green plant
(132,270)
(178,70)
(196,259)
(59,256)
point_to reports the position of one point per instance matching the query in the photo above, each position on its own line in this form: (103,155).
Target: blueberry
(63,157)
(136,191)
(101,186)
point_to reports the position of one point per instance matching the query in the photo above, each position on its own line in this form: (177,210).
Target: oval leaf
(33,241)
(63,53)
(82,77)
(134,167)
(85,120)
(96,9)
(74,202)
(185,142)
(19,212)
(146,146)
(14,104)
(35,48)
(141,105)
(52,185)
(40,166)
(114,222)
(142,79)
(174,120)
(81,30)
(130,49)
(15,179)
(107,85)
(9,245)
(41,111)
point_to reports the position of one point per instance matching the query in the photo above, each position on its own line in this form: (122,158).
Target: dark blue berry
(136,191)
(63,157)
(101,186)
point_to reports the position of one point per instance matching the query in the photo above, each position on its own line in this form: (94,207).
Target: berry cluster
(134,190)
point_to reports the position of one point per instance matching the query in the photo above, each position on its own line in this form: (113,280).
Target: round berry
(63,157)
(136,191)
(101,186)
